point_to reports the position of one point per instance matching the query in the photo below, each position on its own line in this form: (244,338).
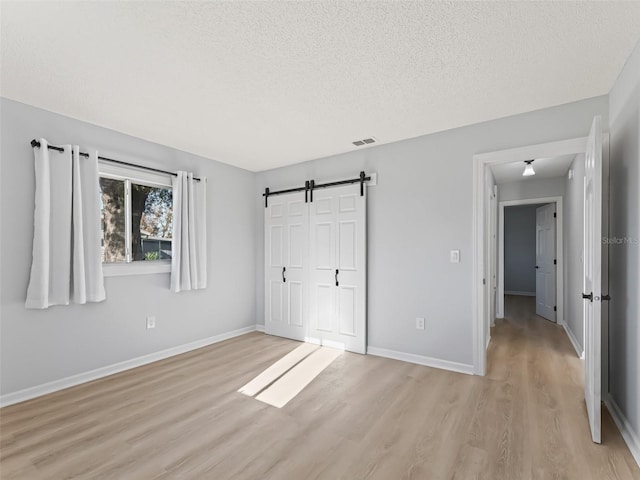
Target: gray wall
(538,188)
(421,209)
(520,249)
(573,248)
(624,282)
(42,346)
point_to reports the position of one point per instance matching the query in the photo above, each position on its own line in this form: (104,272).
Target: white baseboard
(73,380)
(631,437)
(421,360)
(523,294)
(574,340)
(260,328)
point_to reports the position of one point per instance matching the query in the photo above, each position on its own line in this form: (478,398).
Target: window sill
(136,268)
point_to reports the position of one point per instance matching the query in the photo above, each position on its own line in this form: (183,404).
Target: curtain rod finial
(35,143)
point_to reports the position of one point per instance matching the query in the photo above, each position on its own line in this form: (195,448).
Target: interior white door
(592,277)
(546,261)
(286,265)
(337,297)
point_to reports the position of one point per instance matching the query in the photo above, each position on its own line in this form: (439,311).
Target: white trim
(574,340)
(631,438)
(522,294)
(605,260)
(421,360)
(73,380)
(481,162)
(259,328)
(128,224)
(479,324)
(143,267)
(559,252)
(541,150)
(138,176)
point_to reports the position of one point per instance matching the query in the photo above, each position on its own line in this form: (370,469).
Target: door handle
(588,296)
(284,269)
(537,266)
(337,283)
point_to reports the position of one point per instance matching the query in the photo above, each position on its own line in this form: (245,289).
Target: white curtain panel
(189,243)
(66,263)
(87,278)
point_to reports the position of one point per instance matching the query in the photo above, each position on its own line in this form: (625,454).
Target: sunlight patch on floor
(285,379)
(278,369)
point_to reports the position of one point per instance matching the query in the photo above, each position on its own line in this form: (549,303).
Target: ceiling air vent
(366,141)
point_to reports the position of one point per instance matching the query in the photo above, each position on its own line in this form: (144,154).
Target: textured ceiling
(266,84)
(544,167)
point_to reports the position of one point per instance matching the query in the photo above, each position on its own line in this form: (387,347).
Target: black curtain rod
(36,143)
(310,186)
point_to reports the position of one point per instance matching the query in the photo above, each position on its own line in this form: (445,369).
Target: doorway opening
(592,186)
(531,256)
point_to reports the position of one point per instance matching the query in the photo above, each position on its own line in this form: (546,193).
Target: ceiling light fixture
(528,170)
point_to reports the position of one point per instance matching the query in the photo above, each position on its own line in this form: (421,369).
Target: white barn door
(592,296)
(546,261)
(286,261)
(337,252)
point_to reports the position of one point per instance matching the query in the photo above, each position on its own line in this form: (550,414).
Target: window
(136,220)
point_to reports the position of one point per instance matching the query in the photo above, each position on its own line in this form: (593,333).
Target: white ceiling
(544,167)
(266,84)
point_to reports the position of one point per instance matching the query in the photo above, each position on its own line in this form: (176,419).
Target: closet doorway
(315,265)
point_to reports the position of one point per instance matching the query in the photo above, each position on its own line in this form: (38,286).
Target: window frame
(131,175)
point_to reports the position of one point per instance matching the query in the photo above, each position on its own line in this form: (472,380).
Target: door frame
(559,252)
(482,162)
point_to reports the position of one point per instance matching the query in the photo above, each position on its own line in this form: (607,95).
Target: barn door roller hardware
(311,185)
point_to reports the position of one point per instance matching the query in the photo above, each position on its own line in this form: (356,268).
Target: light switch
(455,256)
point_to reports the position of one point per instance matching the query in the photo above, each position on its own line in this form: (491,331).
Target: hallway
(542,390)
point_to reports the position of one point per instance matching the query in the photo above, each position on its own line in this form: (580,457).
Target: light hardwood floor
(364,417)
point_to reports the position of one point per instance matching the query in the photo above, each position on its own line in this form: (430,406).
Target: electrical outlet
(454,256)
(420,323)
(151,322)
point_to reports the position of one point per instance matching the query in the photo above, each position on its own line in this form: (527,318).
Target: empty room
(319,240)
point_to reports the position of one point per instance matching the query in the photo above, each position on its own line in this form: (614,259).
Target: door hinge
(606,298)
(555,215)
(555,309)
(555,262)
